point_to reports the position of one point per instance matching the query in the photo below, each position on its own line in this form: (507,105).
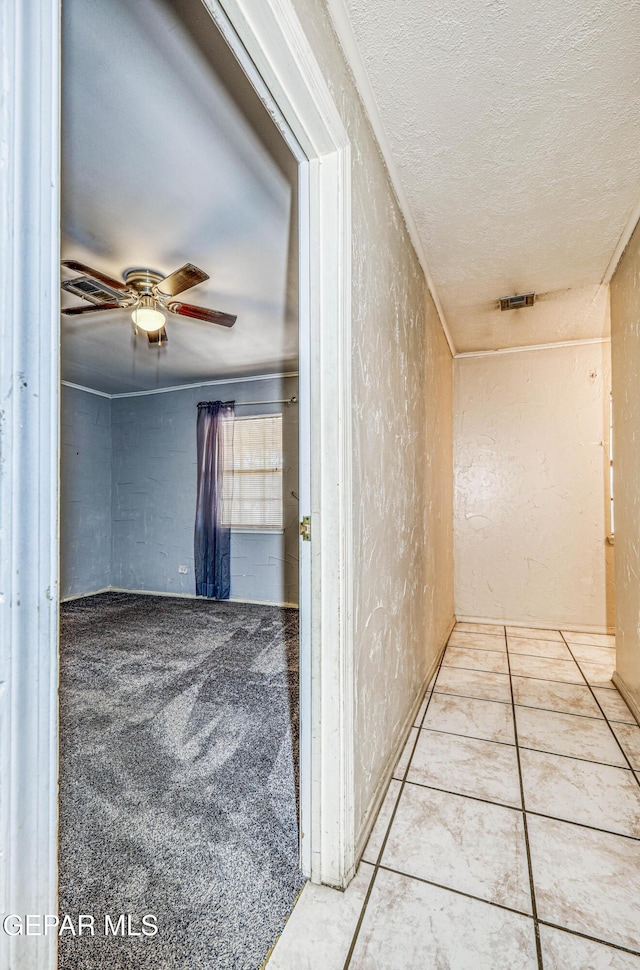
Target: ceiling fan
(146,291)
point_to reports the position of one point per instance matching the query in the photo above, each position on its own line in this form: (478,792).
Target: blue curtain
(212,539)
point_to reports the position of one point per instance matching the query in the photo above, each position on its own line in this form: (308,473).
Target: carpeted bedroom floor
(177,780)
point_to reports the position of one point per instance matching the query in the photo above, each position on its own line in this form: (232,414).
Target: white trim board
(183,596)
(537,624)
(29,378)
(344,30)
(178,387)
(529,347)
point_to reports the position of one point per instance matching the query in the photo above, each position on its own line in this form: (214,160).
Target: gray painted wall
(85,489)
(154,494)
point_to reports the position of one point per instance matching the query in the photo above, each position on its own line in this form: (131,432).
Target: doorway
(299,100)
(178,714)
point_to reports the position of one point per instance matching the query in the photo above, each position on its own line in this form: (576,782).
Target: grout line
(585,936)
(528,747)
(476,633)
(534,909)
(480,670)
(514,808)
(383,846)
(458,892)
(474,798)
(593,694)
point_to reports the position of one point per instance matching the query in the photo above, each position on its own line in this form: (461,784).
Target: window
(253,474)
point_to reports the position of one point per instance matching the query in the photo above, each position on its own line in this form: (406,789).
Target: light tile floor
(510,833)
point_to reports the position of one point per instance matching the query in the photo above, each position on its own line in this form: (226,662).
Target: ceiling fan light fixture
(149,319)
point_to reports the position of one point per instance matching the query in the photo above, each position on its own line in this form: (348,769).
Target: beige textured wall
(625,359)
(403,532)
(531,497)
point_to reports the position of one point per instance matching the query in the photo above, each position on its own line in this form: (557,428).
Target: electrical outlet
(182,569)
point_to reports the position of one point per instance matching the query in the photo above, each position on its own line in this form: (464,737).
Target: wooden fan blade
(74,311)
(183,279)
(202,313)
(95,274)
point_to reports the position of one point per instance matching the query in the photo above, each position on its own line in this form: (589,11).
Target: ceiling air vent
(515,302)
(89,290)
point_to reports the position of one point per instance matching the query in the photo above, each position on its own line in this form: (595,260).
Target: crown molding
(178,387)
(530,347)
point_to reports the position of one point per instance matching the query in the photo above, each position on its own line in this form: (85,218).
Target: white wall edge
(178,387)
(628,697)
(530,347)
(623,242)
(183,596)
(536,624)
(344,31)
(371,815)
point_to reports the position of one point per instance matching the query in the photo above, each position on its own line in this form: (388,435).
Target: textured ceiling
(514,130)
(162,165)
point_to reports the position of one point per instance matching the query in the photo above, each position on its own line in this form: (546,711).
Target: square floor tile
(493,660)
(490,629)
(629,737)
(553,696)
(599,675)
(564,951)
(403,760)
(409,925)
(474,641)
(568,734)
(461,843)
(467,766)
(473,683)
(584,652)
(586,880)
(613,705)
(474,718)
(597,639)
(581,791)
(319,931)
(538,648)
(545,668)
(379,830)
(526,631)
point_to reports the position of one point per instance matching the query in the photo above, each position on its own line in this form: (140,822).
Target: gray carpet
(178,779)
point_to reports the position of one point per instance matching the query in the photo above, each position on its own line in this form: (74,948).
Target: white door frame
(270,44)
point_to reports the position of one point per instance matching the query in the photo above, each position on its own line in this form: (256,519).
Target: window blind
(253,473)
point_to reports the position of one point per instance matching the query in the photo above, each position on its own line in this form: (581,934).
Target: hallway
(510,833)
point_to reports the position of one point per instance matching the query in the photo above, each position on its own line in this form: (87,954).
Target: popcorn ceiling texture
(531,502)
(402,452)
(625,360)
(514,130)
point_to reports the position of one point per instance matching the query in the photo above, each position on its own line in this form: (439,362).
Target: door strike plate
(305,528)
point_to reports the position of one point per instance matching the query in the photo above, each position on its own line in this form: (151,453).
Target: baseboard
(90,592)
(628,697)
(536,624)
(403,735)
(185,596)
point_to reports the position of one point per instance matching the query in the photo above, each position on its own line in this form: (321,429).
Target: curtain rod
(243,404)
